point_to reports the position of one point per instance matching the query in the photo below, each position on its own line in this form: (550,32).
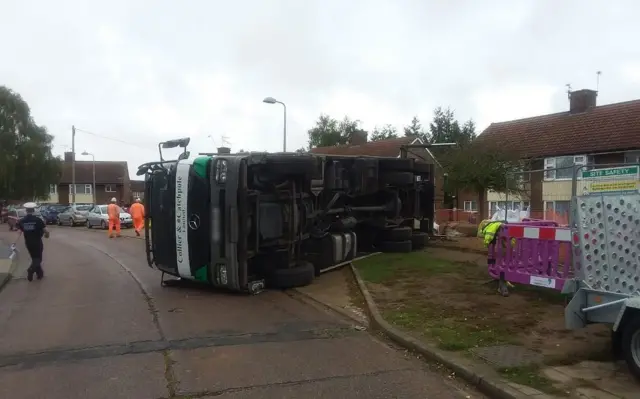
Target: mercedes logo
(194,222)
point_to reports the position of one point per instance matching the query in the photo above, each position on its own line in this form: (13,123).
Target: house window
(509,205)
(53,188)
(137,194)
(632,157)
(81,189)
(109,188)
(470,206)
(561,168)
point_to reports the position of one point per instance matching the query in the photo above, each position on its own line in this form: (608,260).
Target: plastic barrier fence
(533,253)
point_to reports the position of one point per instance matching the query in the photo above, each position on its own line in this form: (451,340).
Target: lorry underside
(242,221)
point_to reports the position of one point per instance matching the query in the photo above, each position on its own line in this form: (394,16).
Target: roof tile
(107,172)
(381,148)
(612,127)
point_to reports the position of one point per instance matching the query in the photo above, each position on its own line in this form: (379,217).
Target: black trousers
(35,252)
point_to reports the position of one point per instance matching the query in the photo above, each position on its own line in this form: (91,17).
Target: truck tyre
(397,178)
(298,276)
(398,234)
(396,165)
(419,240)
(631,344)
(395,246)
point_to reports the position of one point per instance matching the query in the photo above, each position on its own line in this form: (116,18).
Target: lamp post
(271,100)
(94,175)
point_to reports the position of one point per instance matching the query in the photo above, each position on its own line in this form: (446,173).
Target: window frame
(53,189)
(471,206)
(109,188)
(552,162)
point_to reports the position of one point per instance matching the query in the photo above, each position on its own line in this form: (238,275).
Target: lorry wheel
(395,246)
(397,178)
(419,240)
(631,344)
(298,276)
(398,234)
(396,165)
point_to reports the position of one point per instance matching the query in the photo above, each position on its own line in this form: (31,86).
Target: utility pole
(73,165)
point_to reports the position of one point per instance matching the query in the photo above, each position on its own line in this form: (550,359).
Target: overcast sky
(144,71)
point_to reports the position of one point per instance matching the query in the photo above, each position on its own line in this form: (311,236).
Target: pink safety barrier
(534,252)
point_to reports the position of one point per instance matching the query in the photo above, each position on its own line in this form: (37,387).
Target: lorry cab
(193,206)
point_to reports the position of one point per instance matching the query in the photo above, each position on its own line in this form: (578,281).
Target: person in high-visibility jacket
(113,210)
(137,214)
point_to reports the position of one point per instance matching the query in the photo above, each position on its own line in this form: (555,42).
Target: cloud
(138,72)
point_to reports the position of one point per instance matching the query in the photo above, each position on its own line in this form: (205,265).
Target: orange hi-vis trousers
(114,224)
(113,211)
(137,213)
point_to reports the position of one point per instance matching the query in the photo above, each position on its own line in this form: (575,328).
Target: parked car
(50,212)
(98,216)
(15,214)
(73,215)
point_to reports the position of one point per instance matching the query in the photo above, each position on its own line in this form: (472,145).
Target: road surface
(100,326)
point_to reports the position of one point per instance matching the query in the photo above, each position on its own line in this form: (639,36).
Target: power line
(146,147)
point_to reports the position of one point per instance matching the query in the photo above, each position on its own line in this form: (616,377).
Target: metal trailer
(605,225)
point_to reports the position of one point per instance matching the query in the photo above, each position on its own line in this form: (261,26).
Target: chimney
(224,150)
(68,156)
(358,137)
(582,100)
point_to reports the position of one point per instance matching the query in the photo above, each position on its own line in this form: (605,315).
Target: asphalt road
(99,325)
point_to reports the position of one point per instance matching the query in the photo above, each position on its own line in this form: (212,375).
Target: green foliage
(414,129)
(301,150)
(330,132)
(480,168)
(384,133)
(446,129)
(27,166)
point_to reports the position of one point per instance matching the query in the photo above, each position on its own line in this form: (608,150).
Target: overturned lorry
(248,221)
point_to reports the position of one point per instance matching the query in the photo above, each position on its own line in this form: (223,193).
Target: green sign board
(625,171)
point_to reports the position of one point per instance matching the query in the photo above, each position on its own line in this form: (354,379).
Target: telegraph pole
(73,165)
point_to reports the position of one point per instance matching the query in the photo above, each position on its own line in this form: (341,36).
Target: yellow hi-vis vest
(488,230)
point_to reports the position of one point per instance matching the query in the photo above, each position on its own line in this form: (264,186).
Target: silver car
(98,217)
(73,215)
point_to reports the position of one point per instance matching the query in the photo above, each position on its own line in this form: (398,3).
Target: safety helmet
(114,199)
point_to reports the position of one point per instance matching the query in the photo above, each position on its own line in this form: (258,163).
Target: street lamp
(94,175)
(271,100)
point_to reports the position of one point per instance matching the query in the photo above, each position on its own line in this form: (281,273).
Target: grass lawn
(454,304)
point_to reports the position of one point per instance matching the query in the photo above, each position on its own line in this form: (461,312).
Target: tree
(444,128)
(301,150)
(27,166)
(479,167)
(415,130)
(385,133)
(330,132)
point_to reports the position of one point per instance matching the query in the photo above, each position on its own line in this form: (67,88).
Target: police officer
(33,229)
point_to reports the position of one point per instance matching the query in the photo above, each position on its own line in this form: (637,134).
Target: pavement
(99,325)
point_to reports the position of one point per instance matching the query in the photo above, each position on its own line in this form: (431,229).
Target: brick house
(137,190)
(392,148)
(112,180)
(586,134)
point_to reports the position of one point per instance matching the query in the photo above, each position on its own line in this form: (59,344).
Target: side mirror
(184,155)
